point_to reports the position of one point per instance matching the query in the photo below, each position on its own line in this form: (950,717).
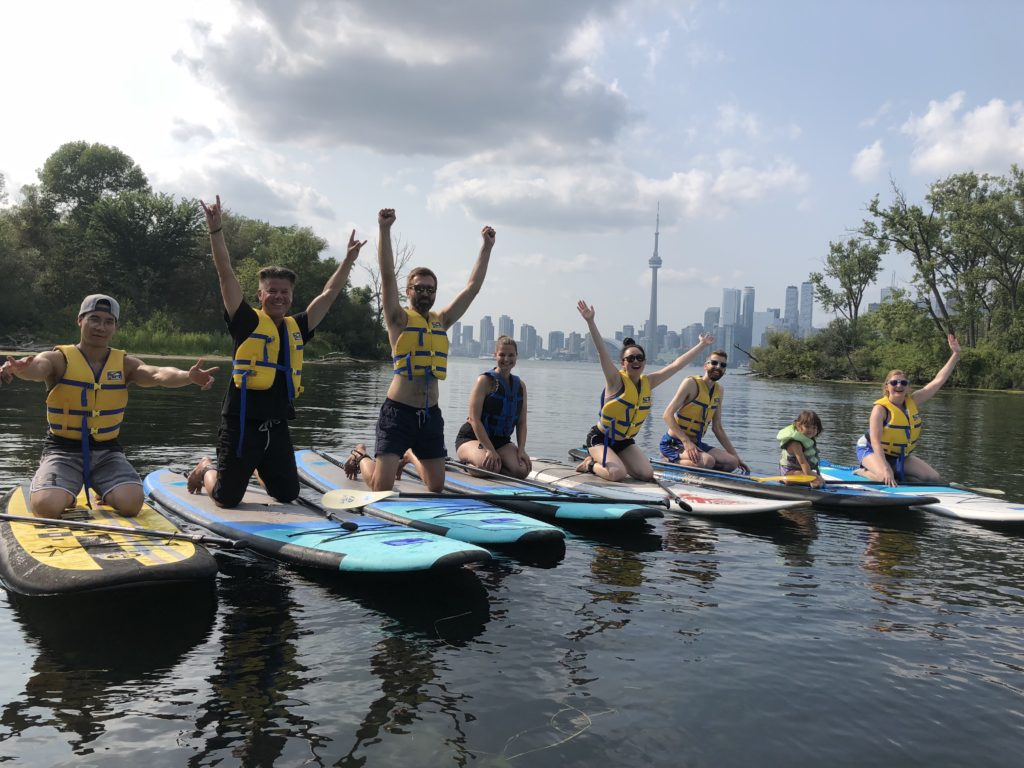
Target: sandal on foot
(352,464)
(586,466)
(195,477)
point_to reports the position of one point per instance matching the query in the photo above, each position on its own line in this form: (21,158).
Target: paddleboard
(466,520)
(43,559)
(830,498)
(950,502)
(704,502)
(505,490)
(298,534)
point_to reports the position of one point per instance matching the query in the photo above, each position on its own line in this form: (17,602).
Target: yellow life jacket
(695,417)
(83,404)
(422,349)
(622,416)
(255,364)
(810,447)
(901,430)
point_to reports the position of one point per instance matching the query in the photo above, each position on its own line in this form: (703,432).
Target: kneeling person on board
(798,444)
(410,426)
(86,397)
(696,406)
(497,407)
(266,375)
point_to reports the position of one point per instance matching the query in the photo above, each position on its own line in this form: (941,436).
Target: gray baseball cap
(97,302)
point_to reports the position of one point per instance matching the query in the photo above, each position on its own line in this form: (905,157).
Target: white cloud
(868,162)
(538,186)
(581,262)
(732,120)
(986,138)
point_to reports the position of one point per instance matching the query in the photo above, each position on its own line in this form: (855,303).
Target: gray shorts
(63,469)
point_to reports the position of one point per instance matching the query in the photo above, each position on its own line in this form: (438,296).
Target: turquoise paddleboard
(467,520)
(297,534)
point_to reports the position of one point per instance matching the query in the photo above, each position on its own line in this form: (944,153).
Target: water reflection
(98,655)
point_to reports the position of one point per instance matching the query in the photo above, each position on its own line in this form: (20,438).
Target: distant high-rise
(467,334)
(556,342)
(730,307)
(486,333)
(506,327)
(792,316)
(806,308)
(655,264)
(527,340)
(457,333)
(629,331)
(747,307)
(711,317)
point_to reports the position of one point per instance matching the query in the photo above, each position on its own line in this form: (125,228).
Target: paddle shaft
(468,468)
(673,495)
(148,532)
(348,525)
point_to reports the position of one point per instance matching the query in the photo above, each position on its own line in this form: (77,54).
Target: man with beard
(696,406)
(410,426)
(266,375)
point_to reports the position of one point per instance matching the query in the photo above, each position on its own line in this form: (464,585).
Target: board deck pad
(464,519)
(298,534)
(51,560)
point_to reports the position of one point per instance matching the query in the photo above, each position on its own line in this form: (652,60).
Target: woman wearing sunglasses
(886,451)
(625,404)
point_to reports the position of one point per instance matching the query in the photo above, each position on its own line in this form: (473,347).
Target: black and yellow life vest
(255,364)
(82,404)
(623,415)
(902,428)
(422,349)
(696,416)
(809,444)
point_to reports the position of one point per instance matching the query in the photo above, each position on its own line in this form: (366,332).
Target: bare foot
(195,477)
(406,460)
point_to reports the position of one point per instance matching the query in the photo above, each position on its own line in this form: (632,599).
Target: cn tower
(655,264)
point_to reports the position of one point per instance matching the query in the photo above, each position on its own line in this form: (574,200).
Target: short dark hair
(809,419)
(720,353)
(416,272)
(627,343)
(269,273)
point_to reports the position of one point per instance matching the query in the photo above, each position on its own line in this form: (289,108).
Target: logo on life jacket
(114,376)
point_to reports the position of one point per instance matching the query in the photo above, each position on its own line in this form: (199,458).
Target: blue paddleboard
(466,520)
(298,534)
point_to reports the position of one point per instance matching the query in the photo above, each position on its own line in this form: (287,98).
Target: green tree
(855,265)
(79,174)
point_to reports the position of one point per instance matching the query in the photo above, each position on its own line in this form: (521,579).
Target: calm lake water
(812,639)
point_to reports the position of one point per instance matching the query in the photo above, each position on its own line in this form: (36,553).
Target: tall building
(506,327)
(763,322)
(747,307)
(806,308)
(711,317)
(628,331)
(467,335)
(556,342)
(456,337)
(655,264)
(486,333)
(527,340)
(792,316)
(730,307)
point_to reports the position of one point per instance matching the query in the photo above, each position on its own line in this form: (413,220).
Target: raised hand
(12,367)
(213,215)
(587,311)
(386,217)
(488,234)
(354,246)
(954,345)
(706,339)
(201,377)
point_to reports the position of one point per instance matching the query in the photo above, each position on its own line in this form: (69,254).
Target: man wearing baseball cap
(86,397)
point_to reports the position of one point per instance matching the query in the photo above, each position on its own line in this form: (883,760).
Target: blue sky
(762,128)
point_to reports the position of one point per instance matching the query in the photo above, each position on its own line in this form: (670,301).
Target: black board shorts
(596,437)
(467,435)
(401,427)
(266,448)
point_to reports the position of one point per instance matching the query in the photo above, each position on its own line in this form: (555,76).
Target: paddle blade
(342,499)
(978,489)
(795,479)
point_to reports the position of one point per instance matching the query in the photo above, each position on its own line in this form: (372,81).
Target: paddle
(673,495)
(469,468)
(978,489)
(787,479)
(343,499)
(147,532)
(348,525)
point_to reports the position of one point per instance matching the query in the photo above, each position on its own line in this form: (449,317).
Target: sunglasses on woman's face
(634,358)
(898,382)
(718,364)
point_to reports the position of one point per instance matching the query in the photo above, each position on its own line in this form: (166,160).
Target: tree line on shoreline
(965,245)
(93,224)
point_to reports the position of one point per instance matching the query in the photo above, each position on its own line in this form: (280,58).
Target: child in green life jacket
(799,446)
